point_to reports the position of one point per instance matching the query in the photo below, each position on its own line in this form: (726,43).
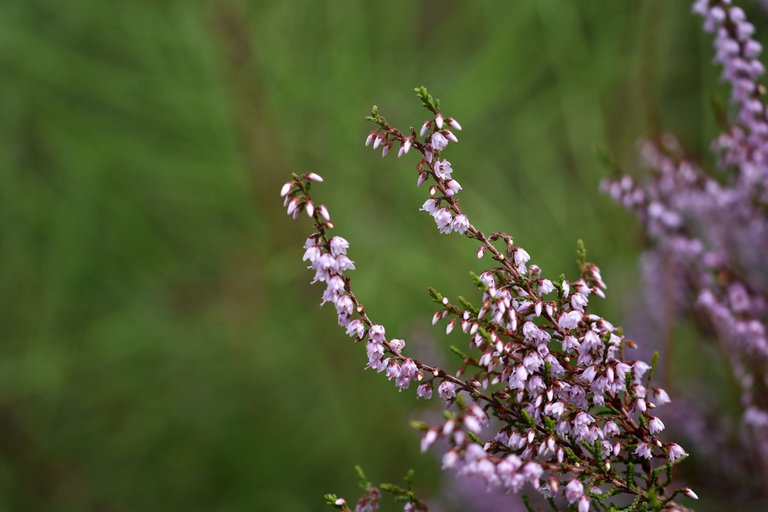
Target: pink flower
(655,425)
(446,390)
(574,490)
(643,450)
(460,223)
(438,141)
(675,452)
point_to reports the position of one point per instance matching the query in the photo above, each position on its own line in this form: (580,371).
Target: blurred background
(162,348)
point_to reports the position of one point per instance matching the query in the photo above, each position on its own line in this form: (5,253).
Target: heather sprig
(372,494)
(745,143)
(708,234)
(545,395)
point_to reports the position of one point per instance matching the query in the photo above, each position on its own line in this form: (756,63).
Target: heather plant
(707,231)
(546,395)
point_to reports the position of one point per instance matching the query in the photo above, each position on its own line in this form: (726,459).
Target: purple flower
(574,490)
(438,141)
(643,450)
(675,452)
(655,425)
(446,390)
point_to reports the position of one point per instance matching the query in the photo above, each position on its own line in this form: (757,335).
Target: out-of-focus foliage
(160,348)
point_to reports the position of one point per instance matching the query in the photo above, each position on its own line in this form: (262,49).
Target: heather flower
(704,233)
(574,490)
(655,425)
(439,142)
(446,390)
(443,220)
(377,333)
(396,345)
(356,328)
(429,438)
(540,368)
(424,390)
(644,450)
(675,452)
(452,188)
(443,169)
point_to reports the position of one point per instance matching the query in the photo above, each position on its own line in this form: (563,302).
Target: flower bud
(424,127)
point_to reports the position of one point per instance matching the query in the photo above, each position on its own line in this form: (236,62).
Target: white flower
(574,490)
(518,378)
(443,219)
(452,187)
(460,224)
(344,305)
(450,459)
(660,397)
(343,263)
(356,328)
(532,472)
(438,141)
(555,409)
(472,424)
(377,333)
(428,439)
(584,504)
(655,425)
(375,353)
(589,374)
(639,368)
(339,246)
(579,301)
(424,390)
(675,452)
(408,371)
(393,369)
(570,320)
(396,345)
(643,450)
(521,256)
(430,206)
(443,169)
(446,390)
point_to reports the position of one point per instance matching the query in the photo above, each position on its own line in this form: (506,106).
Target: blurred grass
(161,346)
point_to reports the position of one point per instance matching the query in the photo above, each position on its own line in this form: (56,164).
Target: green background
(162,348)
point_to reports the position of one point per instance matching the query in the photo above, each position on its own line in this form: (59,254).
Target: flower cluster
(745,144)
(707,234)
(546,396)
